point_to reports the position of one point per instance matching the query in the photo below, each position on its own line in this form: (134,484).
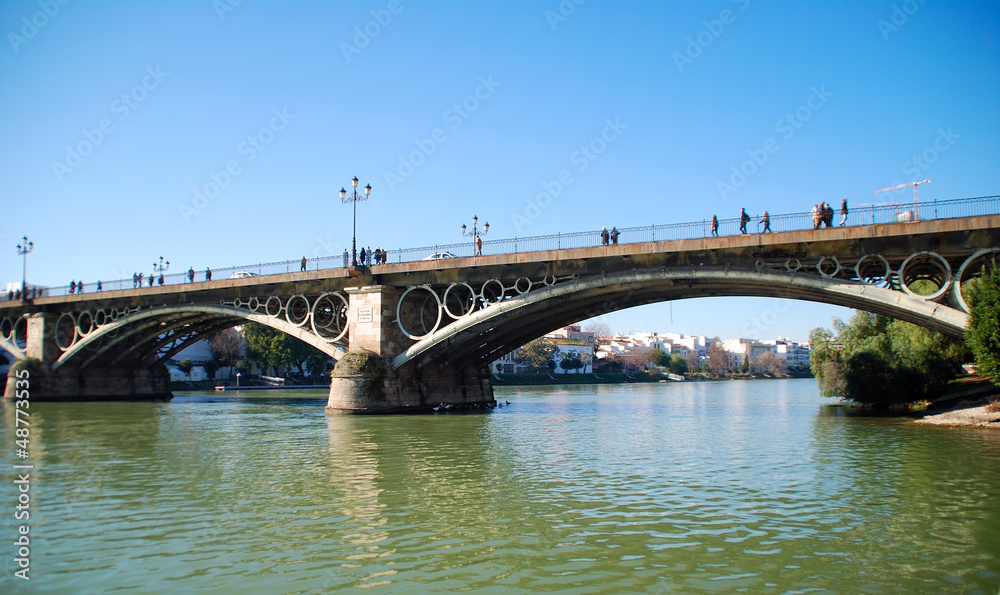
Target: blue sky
(453,109)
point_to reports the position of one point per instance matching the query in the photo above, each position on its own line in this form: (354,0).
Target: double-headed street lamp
(475,233)
(23,248)
(354,198)
(164,265)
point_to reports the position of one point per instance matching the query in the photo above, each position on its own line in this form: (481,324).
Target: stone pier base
(364,382)
(94,384)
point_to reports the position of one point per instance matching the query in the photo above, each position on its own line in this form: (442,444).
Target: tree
(657,357)
(745,368)
(883,361)
(718,358)
(185,365)
(271,347)
(677,364)
(227,347)
(824,362)
(537,354)
(635,358)
(692,359)
(571,362)
(770,363)
(211,367)
(983,333)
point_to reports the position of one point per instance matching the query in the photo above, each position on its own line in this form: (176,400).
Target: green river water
(759,487)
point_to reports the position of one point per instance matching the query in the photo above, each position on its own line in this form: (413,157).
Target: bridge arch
(152,330)
(489,333)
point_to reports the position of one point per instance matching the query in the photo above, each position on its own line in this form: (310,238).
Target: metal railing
(873,214)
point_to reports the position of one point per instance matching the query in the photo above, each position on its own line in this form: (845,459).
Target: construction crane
(916,208)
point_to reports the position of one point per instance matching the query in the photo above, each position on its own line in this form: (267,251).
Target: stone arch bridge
(409,336)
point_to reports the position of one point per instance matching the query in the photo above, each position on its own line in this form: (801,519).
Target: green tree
(571,363)
(211,367)
(271,347)
(185,365)
(983,333)
(537,354)
(657,357)
(882,361)
(677,364)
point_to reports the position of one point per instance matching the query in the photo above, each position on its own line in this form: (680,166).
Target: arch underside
(488,334)
(152,336)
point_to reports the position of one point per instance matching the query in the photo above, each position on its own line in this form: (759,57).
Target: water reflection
(676,487)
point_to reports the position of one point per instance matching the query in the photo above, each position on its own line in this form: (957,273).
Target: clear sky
(217,133)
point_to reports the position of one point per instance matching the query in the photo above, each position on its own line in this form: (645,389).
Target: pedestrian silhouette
(614,235)
(604,236)
(744,219)
(715,226)
(766,222)
(303,267)
(208,274)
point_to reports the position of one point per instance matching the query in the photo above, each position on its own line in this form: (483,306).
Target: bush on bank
(878,361)
(983,332)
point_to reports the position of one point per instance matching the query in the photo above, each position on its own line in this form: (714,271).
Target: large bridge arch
(197,321)
(487,334)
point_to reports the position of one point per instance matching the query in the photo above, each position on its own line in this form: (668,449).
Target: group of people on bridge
(612,236)
(822,214)
(77,287)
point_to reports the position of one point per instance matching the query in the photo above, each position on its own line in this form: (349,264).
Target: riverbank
(970,402)
(613,378)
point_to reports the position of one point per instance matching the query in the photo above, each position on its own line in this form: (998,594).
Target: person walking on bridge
(715,225)
(614,235)
(190,274)
(843,212)
(208,274)
(766,222)
(744,219)
(604,236)
(303,267)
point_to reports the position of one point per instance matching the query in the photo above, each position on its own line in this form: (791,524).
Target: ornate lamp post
(164,265)
(23,248)
(475,233)
(354,198)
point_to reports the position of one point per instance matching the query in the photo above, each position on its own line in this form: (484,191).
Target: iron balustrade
(869,214)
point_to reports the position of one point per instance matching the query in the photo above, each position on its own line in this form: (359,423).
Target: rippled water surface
(683,487)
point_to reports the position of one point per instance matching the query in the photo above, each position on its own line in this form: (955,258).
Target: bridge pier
(364,380)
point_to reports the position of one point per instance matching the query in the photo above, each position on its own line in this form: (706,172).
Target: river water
(758,487)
